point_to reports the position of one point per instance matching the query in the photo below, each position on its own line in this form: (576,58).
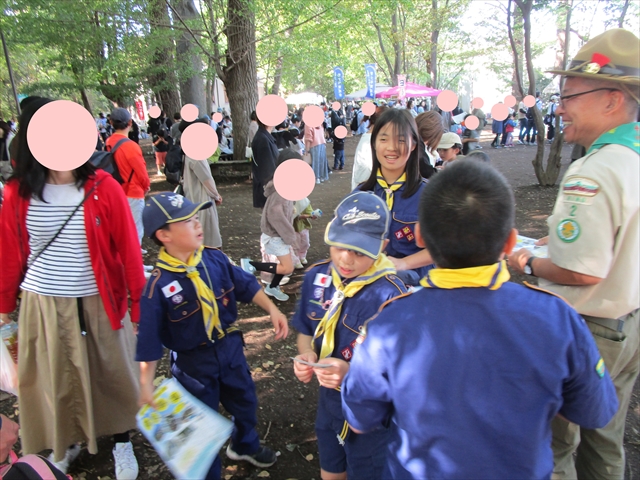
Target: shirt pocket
(183,310)
(403,228)
(353,323)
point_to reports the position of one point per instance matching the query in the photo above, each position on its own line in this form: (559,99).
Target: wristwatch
(528,268)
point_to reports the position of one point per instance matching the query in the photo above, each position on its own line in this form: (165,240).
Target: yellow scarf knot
(489,276)
(390,189)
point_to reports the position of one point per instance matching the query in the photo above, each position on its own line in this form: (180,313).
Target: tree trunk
(277,79)
(240,77)
(191,83)
(623,14)
(85,100)
(433,59)
(162,77)
(517,89)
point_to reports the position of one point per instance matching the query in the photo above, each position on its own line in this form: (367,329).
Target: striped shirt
(64,268)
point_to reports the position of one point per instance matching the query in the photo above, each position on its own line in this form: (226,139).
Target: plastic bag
(8,371)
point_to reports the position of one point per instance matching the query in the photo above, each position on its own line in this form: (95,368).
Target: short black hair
(474,216)
(176,116)
(118,125)
(478,156)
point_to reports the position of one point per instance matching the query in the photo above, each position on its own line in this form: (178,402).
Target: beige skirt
(73,388)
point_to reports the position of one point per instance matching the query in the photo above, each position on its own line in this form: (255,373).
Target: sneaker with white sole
(263,458)
(299,266)
(126,463)
(148,268)
(246,266)
(276,293)
(69,456)
(284,281)
(143,251)
(304,261)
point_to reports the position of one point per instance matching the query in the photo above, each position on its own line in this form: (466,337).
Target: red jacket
(111,237)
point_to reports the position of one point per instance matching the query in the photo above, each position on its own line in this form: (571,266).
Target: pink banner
(140,110)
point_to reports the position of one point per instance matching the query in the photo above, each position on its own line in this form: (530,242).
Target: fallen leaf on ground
(291,446)
(264,473)
(309,457)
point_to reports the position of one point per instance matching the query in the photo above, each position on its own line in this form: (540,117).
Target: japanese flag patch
(171,289)
(322,280)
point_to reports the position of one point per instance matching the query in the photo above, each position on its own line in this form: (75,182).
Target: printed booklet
(541,251)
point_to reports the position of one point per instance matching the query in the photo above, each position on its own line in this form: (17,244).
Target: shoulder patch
(321,262)
(395,280)
(583,186)
(600,368)
(549,292)
(568,230)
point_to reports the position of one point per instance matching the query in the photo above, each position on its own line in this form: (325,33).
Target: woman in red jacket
(70,252)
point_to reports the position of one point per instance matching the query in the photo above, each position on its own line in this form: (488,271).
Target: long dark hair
(29,172)
(402,121)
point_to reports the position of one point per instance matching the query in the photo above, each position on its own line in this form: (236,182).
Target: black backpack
(354,123)
(529,114)
(105,160)
(173,164)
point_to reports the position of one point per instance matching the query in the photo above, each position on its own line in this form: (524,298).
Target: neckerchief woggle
(327,326)
(388,190)
(205,295)
(627,135)
(488,276)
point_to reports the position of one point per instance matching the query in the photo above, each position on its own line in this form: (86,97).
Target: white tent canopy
(361,93)
(304,98)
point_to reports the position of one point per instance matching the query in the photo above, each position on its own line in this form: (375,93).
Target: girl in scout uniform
(338,297)
(395,177)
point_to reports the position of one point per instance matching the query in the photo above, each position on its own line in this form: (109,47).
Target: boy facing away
(189,307)
(338,297)
(470,370)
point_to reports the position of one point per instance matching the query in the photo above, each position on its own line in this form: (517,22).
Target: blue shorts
(363,456)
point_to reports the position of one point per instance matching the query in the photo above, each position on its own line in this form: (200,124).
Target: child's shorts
(363,456)
(274,245)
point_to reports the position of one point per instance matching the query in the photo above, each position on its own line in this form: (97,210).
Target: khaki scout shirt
(594,230)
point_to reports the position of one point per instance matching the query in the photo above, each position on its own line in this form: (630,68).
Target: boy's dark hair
(28,171)
(176,116)
(474,216)
(117,125)
(253,116)
(404,124)
(478,156)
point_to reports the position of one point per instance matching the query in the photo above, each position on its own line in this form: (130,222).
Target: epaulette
(363,332)
(321,262)
(149,288)
(397,282)
(213,248)
(539,289)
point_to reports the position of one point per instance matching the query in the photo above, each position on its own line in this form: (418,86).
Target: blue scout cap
(168,208)
(361,224)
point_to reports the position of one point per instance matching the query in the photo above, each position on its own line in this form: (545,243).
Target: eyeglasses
(564,98)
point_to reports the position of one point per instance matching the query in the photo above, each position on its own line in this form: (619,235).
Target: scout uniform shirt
(470,379)
(171,314)
(595,229)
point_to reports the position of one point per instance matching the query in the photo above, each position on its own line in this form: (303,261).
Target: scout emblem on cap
(171,289)
(597,62)
(568,230)
(354,216)
(177,201)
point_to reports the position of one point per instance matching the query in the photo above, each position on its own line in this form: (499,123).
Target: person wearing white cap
(449,147)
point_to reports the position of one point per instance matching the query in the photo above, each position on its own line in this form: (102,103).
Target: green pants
(600,453)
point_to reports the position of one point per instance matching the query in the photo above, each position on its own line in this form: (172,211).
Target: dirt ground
(287,407)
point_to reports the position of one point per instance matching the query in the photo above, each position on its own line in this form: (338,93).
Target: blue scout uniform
(361,456)
(470,379)
(215,371)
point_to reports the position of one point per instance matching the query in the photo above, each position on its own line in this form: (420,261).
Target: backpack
(105,160)
(529,114)
(30,467)
(173,164)
(354,124)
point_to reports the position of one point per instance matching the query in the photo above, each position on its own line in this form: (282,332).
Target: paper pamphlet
(318,365)
(540,251)
(186,433)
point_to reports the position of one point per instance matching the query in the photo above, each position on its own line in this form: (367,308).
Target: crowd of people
(431,364)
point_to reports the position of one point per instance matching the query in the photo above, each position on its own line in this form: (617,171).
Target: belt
(614,324)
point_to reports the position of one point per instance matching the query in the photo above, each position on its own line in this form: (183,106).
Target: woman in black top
(265,153)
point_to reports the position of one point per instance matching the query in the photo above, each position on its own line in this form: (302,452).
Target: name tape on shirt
(171,289)
(322,280)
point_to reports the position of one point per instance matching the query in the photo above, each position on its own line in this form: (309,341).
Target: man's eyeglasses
(564,98)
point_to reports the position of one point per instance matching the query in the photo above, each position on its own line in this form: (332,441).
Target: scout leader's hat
(166,208)
(613,56)
(361,224)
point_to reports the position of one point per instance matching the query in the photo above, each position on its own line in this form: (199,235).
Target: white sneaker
(126,463)
(298,266)
(143,251)
(284,281)
(246,266)
(276,293)
(70,455)
(148,268)
(304,261)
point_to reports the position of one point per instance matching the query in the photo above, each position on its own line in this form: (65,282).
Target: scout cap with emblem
(166,208)
(613,56)
(360,224)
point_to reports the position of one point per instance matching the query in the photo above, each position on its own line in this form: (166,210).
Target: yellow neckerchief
(327,326)
(490,276)
(205,295)
(390,189)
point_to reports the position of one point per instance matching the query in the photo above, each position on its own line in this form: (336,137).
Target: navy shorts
(363,456)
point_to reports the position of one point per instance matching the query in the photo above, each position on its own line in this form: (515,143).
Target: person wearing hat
(338,296)
(449,147)
(189,307)
(469,370)
(131,165)
(594,243)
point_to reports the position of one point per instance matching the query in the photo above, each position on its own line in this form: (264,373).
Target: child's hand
(302,371)
(543,241)
(280,323)
(332,377)
(399,263)
(146,395)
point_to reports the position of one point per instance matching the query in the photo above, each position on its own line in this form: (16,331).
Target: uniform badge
(171,289)
(346,353)
(317,292)
(225,301)
(321,280)
(399,235)
(405,232)
(600,368)
(568,230)
(353,344)
(580,190)
(177,298)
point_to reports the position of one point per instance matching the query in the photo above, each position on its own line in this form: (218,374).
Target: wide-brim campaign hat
(360,224)
(165,208)
(613,56)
